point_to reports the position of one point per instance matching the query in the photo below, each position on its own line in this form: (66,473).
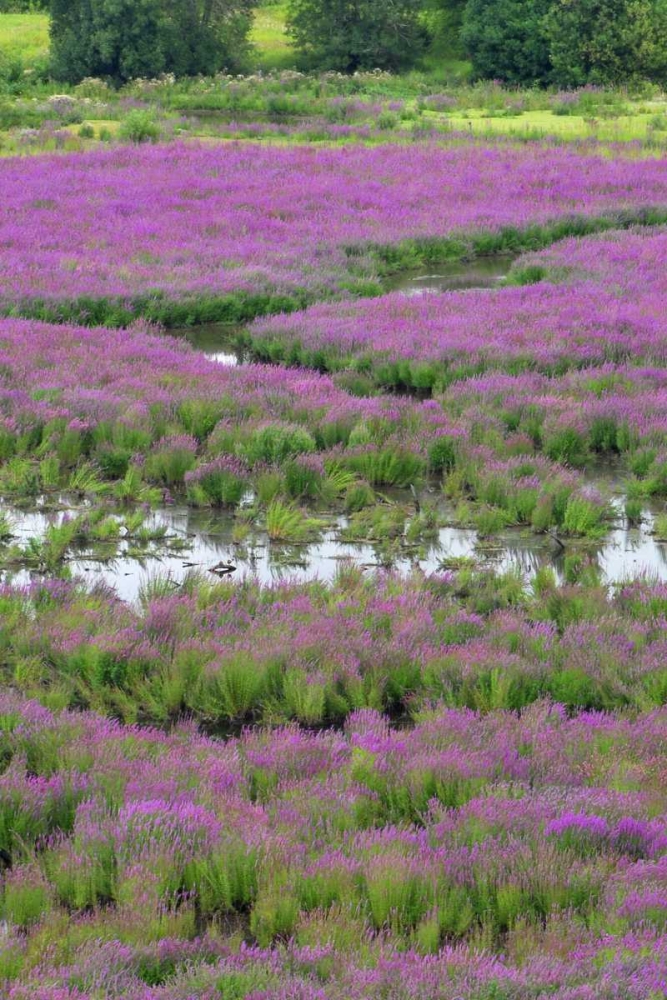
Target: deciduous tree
(125,39)
(607,41)
(506,39)
(349,35)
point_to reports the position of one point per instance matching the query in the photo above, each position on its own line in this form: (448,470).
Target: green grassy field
(272,45)
(640,124)
(24,36)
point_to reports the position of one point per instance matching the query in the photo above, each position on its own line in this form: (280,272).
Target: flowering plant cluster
(604,305)
(415,854)
(81,407)
(230,654)
(131,399)
(384,788)
(573,368)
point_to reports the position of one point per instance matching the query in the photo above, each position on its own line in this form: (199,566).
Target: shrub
(139,126)
(387,120)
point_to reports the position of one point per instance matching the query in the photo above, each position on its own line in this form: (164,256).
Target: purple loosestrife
(239,654)
(574,367)
(167,222)
(436,859)
(609,311)
(123,397)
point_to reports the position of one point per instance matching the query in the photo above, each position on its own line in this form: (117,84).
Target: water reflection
(205,541)
(482,272)
(216,340)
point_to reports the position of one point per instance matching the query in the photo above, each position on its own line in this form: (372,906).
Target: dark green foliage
(126,39)
(444,19)
(606,41)
(120,39)
(204,36)
(351,35)
(506,40)
(570,43)
(23,6)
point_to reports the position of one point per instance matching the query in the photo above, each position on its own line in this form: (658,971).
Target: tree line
(566,43)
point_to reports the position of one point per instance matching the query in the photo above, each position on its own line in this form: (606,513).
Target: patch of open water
(457,276)
(204,541)
(216,340)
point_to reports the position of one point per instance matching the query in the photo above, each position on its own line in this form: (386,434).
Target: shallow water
(208,537)
(482,272)
(216,340)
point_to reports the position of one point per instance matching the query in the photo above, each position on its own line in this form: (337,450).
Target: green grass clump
(276,443)
(26,898)
(660,527)
(585,517)
(217,485)
(386,467)
(285,523)
(490,520)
